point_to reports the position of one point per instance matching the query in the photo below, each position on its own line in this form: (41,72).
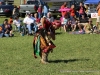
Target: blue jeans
(19,28)
(6,35)
(1,35)
(39,15)
(71,17)
(29,29)
(45,14)
(35,28)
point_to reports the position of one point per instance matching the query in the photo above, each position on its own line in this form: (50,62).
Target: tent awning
(91,2)
(55,0)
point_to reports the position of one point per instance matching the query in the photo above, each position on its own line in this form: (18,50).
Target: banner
(94,15)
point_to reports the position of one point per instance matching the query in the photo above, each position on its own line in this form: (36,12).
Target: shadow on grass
(58,33)
(66,61)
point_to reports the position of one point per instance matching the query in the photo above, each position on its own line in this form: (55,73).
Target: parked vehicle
(54,5)
(6,8)
(30,5)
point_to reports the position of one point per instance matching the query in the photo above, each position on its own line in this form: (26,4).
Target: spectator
(65,22)
(88,28)
(36,17)
(28,21)
(81,10)
(39,11)
(82,22)
(0,3)
(72,12)
(50,18)
(15,12)
(74,23)
(63,13)
(7,29)
(86,7)
(45,9)
(17,23)
(98,17)
(10,21)
(1,34)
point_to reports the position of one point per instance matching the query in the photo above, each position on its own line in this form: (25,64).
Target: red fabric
(47,25)
(40,9)
(57,23)
(72,12)
(63,13)
(10,21)
(37,20)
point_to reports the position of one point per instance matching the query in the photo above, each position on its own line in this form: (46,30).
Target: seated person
(7,29)
(82,22)
(36,17)
(10,21)
(88,28)
(50,18)
(17,24)
(29,21)
(1,34)
(74,23)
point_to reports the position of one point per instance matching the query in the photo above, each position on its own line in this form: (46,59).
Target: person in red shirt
(36,17)
(39,11)
(63,13)
(10,21)
(72,12)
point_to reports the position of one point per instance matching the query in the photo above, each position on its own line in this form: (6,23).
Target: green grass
(74,55)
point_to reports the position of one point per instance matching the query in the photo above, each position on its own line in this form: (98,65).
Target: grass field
(74,55)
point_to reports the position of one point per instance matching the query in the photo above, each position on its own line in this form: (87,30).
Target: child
(73,25)
(1,34)
(64,22)
(10,21)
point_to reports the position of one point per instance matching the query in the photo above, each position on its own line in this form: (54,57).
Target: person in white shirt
(29,21)
(17,23)
(50,18)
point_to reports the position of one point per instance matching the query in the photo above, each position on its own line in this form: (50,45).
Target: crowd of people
(77,21)
(74,20)
(42,25)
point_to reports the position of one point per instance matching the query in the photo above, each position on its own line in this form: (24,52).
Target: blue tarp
(91,2)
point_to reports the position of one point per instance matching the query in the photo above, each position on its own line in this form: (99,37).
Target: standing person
(15,12)
(42,45)
(65,22)
(72,12)
(98,17)
(63,13)
(39,11)
(48,27)
(45,9)
(81,10)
